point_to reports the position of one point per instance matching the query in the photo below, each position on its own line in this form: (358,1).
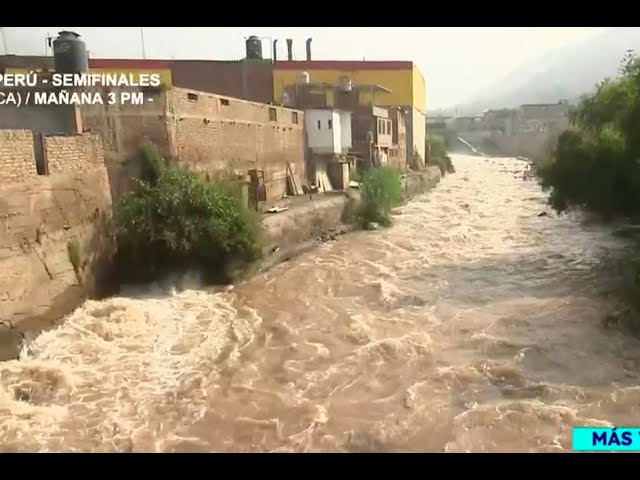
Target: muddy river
(472,324)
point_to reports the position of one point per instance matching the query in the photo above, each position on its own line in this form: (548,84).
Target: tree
(596,165)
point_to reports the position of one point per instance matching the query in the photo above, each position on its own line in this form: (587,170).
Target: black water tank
(70,53)
(254,47)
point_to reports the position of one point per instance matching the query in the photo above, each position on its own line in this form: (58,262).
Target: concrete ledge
(416,183)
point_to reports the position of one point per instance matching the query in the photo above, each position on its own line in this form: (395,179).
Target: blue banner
(599,439)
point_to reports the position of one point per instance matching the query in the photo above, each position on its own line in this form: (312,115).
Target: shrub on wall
(176,218)
(381,190)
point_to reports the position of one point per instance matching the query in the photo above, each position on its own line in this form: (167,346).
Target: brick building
(210,133)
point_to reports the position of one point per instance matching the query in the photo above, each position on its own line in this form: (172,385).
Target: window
(273,115)
(319,125)
(192,97)
(294,118)
(379,126)
(330,124)
(224,102)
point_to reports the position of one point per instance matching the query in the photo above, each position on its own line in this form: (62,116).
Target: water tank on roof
(305,78)
(345,84)
(70,53)
(254,47)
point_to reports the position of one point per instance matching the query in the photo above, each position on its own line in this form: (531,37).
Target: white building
(328,130)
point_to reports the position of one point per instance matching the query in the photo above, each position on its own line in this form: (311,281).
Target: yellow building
(403,80)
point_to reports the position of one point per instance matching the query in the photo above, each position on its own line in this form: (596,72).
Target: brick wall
(17,160)
(73,153)
(41,214)
(208,132)
(122,129)
(214,133)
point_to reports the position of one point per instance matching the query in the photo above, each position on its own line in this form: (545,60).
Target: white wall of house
(328,131)
(322,132)
(345,131)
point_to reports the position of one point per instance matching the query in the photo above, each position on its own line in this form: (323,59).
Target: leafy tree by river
(596,165)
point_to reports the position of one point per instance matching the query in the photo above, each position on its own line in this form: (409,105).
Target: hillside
(565,73)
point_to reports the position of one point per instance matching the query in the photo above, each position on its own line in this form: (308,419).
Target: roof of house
(342,65)
(345,65)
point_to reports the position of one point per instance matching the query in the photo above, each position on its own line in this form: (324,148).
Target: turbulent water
(473,324)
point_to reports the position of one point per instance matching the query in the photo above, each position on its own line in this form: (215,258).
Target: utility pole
(144,54)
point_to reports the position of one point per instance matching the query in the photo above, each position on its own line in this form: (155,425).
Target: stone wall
(528,144)
(41,216)
(416,183)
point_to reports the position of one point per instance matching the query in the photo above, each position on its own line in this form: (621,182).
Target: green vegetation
(175,218)
(355,175)
(381,191)
(438,154)
(596,164)
(75,257)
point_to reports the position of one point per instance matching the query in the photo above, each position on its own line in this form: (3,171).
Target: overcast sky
(455,61)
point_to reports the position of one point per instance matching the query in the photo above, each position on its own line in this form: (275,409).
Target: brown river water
(471,325)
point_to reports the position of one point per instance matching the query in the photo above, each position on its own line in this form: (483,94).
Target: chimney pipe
(275,52)
(309,49)
(289,49)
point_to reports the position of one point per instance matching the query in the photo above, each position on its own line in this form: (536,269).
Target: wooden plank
(298,183)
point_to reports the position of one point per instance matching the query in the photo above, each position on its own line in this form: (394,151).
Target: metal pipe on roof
(289,49)
(309,49)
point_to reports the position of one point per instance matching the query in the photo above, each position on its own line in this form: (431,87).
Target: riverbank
(306,223)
